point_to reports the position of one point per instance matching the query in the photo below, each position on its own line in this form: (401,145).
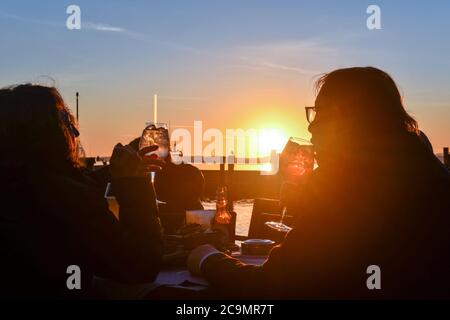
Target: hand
(126,162)
(197,256)
(152,163)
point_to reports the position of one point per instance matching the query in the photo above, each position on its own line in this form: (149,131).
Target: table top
(176,276)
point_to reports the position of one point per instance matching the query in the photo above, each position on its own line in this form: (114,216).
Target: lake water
(243,209)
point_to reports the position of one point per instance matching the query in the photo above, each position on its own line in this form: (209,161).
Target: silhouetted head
(357,107)
(36,128)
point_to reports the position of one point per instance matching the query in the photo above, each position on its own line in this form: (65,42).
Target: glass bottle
(222,218)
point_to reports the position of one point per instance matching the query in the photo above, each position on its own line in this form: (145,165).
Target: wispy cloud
(181,98)
(288,68)
(102,27)
(258,64)
(28,20)
(290,47)
(84,24)
(289,56)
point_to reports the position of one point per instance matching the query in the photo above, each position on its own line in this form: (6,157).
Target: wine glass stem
(283,214)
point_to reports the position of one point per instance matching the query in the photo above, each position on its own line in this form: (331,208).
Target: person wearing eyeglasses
(378,200)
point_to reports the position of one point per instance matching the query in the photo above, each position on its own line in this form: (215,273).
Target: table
(176,276)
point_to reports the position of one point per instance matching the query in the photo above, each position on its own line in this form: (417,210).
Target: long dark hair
(36,128)
(370,96)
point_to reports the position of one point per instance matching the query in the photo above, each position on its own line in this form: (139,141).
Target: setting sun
(271,139)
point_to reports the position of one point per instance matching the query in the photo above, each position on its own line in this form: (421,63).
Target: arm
(239,280)
(287,271)
(140,228)
(129,250)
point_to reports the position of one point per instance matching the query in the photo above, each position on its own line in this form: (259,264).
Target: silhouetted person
(378,197)
(180,186)
(53,216)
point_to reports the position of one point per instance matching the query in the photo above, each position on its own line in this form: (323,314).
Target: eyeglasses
(310,113)
(69,125)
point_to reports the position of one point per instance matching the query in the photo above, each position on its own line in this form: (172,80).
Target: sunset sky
(232,64)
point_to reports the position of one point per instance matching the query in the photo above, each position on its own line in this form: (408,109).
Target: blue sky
(229,63)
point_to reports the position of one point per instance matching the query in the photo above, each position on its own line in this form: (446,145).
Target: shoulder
(66,193)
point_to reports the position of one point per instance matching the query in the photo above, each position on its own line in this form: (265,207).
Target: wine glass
(296,160)
(155,134)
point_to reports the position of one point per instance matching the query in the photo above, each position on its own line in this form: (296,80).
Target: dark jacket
(51,220)
(180,186)
(387,204)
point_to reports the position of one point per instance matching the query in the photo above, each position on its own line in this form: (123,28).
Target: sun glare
(266,167)
(271,139)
